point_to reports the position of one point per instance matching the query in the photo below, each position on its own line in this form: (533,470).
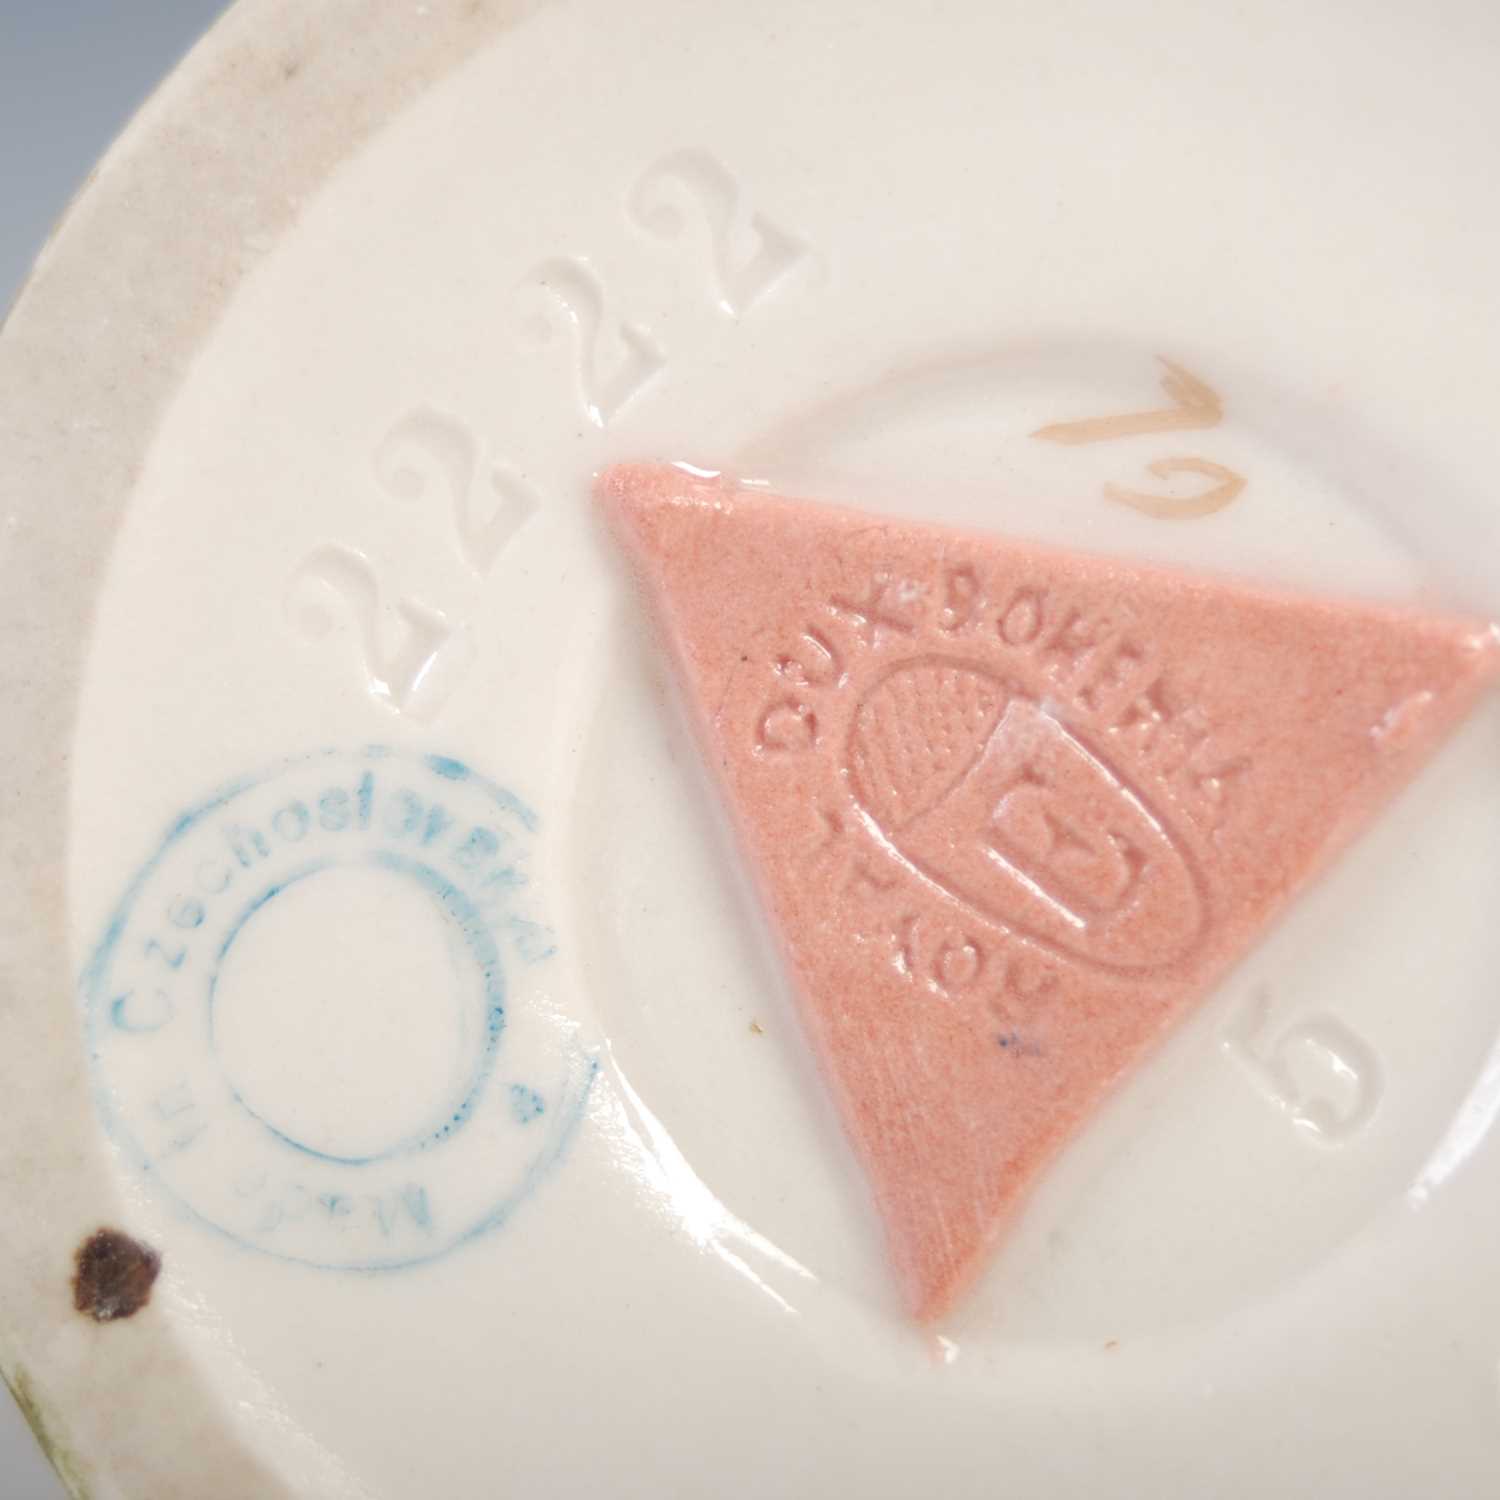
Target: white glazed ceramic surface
(370,943)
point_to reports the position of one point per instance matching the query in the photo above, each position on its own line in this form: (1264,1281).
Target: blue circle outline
(459,910)
(566,1120)
(440,765)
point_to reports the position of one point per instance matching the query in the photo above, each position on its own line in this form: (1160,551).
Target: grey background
(72,72)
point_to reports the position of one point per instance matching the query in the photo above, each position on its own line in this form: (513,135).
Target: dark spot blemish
(1019,1046)
(114,1275)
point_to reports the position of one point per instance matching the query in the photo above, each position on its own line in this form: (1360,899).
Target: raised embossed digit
(572,289)
(1349,1089)
(428,454)
(749,254)
(413,676)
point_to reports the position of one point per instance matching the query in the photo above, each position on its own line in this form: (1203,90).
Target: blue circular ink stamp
(319,1017)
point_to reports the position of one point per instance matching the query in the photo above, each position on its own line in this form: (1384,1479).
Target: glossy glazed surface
(323,486)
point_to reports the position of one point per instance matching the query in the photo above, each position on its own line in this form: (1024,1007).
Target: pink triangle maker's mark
(1012,810)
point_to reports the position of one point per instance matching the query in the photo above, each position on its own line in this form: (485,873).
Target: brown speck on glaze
(204,144)
(114,1275)
(757,1029)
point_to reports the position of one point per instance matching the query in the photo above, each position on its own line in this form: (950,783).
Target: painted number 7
(1195,406)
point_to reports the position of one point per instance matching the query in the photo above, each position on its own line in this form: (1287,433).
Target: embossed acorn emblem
(983,791)
(1014,811)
